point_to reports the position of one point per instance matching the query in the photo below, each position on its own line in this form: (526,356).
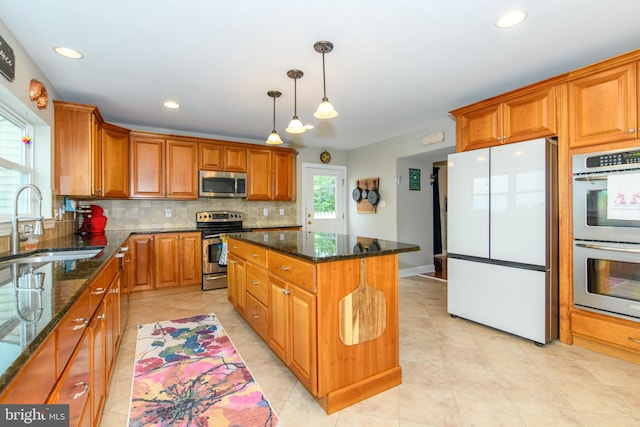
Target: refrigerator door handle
(608,248)
(591,178)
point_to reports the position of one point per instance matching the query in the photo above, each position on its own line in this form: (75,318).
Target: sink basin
(54,256)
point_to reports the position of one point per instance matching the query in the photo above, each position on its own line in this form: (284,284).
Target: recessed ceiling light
(511,19)
(171,104)
(67,52)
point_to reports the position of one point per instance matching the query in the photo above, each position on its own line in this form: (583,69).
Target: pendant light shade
(325,109)
(274,138)
(295,125)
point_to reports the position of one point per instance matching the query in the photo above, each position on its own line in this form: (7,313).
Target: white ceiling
(397,65)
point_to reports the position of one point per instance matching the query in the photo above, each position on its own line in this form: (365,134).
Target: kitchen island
(327,306)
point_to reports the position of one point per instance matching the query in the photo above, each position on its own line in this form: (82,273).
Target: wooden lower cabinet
(98,361)
(293,329)
(74,386)
(165,260)
(236,286)
(303,323)
(606,334)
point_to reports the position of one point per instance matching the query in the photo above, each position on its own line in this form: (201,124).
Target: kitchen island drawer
(237,248)
(615,332)
(293,270)
(258,317)
(256,255)
(258,283)
(71,328)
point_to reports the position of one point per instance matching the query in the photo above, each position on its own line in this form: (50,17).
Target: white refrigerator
(503,239)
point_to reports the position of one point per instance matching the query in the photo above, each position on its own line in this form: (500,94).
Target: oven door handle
(608,248)
(591,178)
(212,236)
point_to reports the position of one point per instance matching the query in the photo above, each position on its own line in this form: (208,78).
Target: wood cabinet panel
(223,157)
(293,270)
(284,175)
(302,318)
(181,172)
(114,162)
(112,325)
(36,380)
(258,316)
(98,362)
(603,106)
(142,275)
(71,328)
(257,283)
(618,333)
(190,253)
(147,166)
(480,128)
(236,290)
(256,255)
(260,180)
(167,261)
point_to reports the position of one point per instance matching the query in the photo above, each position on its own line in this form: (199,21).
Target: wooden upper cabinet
(223,157)
(115,161)
(519,118)
(181,169)
(284,175)
(603,106)
(260,180)
(163,168)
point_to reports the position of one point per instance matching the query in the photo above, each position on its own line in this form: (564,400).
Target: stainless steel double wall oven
(606,232)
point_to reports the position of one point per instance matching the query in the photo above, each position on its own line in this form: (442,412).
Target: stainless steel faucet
(37,230)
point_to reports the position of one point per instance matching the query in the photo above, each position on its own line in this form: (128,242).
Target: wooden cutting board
(363,313)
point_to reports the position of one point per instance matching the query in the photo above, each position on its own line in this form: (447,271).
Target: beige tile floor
(455,372)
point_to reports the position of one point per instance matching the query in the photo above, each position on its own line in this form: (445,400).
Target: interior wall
(380,160)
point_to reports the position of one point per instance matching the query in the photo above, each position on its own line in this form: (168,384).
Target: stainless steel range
(214,225)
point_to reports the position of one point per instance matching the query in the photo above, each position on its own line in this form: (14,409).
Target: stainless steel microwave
(223,184)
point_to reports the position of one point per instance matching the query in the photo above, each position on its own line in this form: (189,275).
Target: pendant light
(274,138)
(325,109)
(295,125)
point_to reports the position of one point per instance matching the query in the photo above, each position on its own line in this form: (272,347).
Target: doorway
(439,178)
(323,198)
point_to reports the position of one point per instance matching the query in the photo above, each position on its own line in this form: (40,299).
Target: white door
(324,198)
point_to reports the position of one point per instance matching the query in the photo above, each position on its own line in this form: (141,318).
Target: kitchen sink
(49,256)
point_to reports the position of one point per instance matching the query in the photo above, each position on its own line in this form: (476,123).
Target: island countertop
(324,247)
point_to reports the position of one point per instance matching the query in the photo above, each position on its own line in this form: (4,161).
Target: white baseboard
(406,272)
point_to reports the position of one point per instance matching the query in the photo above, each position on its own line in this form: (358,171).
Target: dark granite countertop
(323,247)
(64,282)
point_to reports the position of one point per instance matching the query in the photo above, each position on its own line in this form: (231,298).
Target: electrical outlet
(265,212)
(105,212)
(167,213)
(281,211)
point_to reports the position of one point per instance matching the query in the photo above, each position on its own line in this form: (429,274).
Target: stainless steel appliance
(502,238)
(223,184)
(606,232)
(214,225)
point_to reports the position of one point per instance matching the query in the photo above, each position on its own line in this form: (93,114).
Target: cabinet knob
(285,291)
(284,268)
(99,291)
(631,130)
(634,340)
(85,388)
(255,316)
(254,282)
(80,323)
(233,261)
(119,255)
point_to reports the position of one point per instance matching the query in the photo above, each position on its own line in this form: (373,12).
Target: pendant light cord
(274,113)
(324,79)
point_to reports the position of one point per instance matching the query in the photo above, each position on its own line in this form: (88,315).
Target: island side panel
(341,366)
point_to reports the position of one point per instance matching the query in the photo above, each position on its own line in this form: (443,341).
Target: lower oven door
(214,274)
(606,278)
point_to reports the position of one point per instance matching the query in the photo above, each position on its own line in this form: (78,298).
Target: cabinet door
(76,129)
(602,107)
(181,169)
(302,336)
(211,156)
(96,157)
(141,276)
(167,260)
(529,116)
(99,370)
(260,185)
(235,158)
(115,162)
(147,165)
(236,283)
(284,175)
(279,317)
(190,250)
(112,326)
(480,128)
(74,386)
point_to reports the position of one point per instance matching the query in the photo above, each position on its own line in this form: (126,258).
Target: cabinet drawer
(256,255)
(258,316)
(293,270)
(613,332)
(258,283)
(71,328)
(238,248)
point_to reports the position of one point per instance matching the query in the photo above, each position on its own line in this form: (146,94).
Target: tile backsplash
(152,214)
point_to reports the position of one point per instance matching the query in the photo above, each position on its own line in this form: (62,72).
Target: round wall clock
(325,157)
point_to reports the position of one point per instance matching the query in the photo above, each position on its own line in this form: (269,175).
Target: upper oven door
(606,206)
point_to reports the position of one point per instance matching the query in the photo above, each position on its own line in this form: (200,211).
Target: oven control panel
(218,216)
(614,159)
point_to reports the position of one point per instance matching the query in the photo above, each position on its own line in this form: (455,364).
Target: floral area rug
(187,372)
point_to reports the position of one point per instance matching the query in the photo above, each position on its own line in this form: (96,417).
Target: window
(16,161)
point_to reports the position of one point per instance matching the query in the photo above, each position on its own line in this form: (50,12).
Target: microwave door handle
(591,178)
(608,248)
